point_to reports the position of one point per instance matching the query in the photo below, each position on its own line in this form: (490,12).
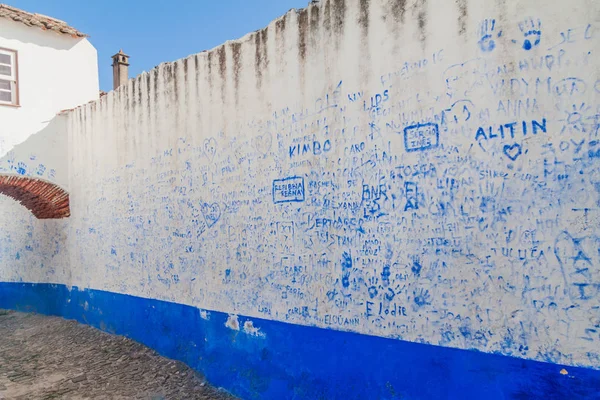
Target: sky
(155,31)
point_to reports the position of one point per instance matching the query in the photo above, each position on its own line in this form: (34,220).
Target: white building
(45,66)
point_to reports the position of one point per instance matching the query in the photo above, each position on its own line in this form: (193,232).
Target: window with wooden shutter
(8,77)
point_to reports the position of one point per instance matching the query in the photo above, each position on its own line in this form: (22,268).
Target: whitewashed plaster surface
(427,171)
(55,72)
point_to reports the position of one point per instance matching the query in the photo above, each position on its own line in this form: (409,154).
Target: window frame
(13,78)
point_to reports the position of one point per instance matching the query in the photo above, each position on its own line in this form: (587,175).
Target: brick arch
(44,199)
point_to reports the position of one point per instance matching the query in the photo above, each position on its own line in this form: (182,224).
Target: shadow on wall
(35,172)
(42,155)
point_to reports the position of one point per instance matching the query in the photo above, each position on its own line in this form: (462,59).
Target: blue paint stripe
(299,362)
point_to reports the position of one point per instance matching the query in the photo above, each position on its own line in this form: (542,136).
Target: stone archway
(44,199)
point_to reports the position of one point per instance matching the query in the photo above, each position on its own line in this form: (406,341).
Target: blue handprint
(373,287)
(416,267)
(21,168)
(422,297)
(487,34)
(41,169)
(532,33)
(346,260)
(346,279)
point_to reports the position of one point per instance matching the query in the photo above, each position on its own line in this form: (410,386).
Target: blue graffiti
(315,148)
(532,33)
(577,265)
(416,267)
(346,267)
(570,86)
(346,260)
(377,100)
(422,297)
(288,190)
(21,168)
(511,129)
(512,151)
(373,287)
(421,137)
(487,34)
(210,148)
(412,193)
(212,213)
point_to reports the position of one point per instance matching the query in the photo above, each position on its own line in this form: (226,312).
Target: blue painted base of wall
(298,362)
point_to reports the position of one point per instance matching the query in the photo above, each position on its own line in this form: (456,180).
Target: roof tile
(42,21)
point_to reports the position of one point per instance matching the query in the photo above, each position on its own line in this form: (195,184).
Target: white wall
(403,215)
(56,72)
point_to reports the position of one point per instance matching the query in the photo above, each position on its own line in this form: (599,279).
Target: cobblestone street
(52,358)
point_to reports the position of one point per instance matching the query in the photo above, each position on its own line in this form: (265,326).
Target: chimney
(120,69)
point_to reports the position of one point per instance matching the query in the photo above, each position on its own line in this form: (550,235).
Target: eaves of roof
(38,20)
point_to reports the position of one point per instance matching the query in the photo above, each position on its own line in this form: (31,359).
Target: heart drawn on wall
(210,147)
(211,212)
(512,151)
(262,143)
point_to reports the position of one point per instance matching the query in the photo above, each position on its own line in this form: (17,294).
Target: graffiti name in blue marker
(421,137)
(288,190)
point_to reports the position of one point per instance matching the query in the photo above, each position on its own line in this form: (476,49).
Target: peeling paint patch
(233,323)
(205,315)
(250,329)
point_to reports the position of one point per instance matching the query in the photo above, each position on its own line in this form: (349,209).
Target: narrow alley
(51,358)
